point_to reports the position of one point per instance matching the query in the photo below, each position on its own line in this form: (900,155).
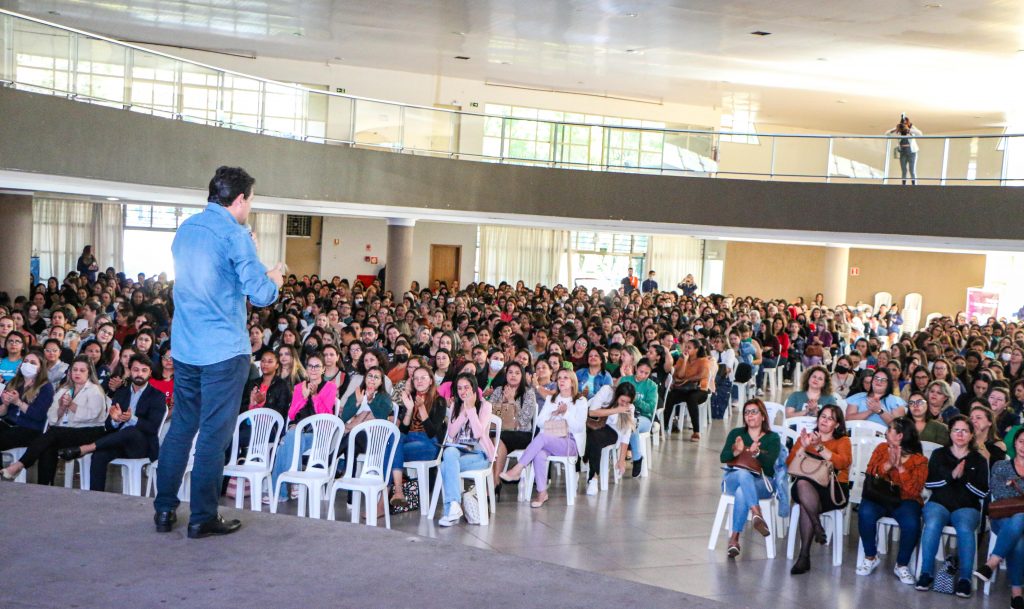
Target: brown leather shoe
(760,525)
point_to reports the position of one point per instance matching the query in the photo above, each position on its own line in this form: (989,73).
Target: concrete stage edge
(73,548)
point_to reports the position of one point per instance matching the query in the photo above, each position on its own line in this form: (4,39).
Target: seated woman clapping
(1007,483)
(958,480)
(749,453)
(467,446)
(24,402)
(76,417)
(563,421)
(421,422)
(827,442)
(897,461)
(310,397)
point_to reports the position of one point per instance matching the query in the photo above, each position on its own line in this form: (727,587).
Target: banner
(982,304)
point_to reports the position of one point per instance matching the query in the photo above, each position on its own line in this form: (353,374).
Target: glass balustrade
(46,58)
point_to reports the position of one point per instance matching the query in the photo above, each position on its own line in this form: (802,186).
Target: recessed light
(462,57)
(506,63)
(823,59)
(55,13)
(337,59)
(840,101)
(113,199)
(630,14)
(635,51)
(297,34)
(459,33)
(933,5)
(760,33)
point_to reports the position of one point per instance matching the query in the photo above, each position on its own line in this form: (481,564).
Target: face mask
(401,358)
(282,327)
(497,365)
(579,309)
(960,369)
(451,300)
(1005,357)
(698,328)
(842,369)
(29,371)
(359,301)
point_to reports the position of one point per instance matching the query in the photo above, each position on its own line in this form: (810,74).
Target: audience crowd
(88,369)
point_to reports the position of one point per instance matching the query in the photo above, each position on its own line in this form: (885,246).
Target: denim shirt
(215,267)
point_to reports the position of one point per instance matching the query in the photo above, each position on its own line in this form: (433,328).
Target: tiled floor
(655,531)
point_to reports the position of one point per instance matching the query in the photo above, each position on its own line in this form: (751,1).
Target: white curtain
(270,236)
(533,255)
(62,227)
(673,257)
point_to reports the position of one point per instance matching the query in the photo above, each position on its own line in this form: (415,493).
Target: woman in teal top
(756,438)
(815,392)
(878,405)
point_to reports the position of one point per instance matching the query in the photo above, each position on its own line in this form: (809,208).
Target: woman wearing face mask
(400,360)
(492,377)
(843,377)
(75,417)
(24,402)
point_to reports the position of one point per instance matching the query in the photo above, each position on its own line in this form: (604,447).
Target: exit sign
(854,271)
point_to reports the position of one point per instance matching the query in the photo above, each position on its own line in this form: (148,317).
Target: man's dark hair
(228,183)
(141,359)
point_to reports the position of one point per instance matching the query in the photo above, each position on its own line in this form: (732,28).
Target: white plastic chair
(861,449)
(483,480)
(569,466)
(185,490)
(776,413)
(321,464)
(928,319)
(131,469)
(865,429)
(773,379)
(371,482)
(647,448)
(833,523)
(657,426)
(882,298)
(609,456)
(723,517)
(267,425)
(912,303)
(801,423)
(421,469)
(927,448)
(12,455)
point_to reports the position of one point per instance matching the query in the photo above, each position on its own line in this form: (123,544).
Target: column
(16,244)
(836,274)
(398,271)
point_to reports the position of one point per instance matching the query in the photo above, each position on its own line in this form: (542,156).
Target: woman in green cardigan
(929,429)
(757,439)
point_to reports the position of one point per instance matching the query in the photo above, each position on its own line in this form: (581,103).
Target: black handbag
(882,491)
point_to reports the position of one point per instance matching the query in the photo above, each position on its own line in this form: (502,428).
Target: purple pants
(542,447)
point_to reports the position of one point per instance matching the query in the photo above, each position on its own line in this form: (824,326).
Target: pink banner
(982,304)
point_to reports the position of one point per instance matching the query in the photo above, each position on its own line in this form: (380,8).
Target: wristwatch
(819,447)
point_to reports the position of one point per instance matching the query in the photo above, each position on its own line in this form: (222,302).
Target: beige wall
(302,254)
(941,279)
(770,270)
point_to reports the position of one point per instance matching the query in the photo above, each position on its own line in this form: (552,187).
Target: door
(445,263)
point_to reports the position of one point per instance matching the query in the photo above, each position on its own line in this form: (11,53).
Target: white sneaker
(592,487)
(453,517)
(867,567)
(904,574)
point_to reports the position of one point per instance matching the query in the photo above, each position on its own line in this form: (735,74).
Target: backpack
(743,372)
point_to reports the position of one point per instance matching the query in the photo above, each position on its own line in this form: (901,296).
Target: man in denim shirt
(216,267)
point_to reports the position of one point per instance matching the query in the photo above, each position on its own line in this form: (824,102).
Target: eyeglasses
(879,379)
(959,430)
(917,402)
(751,411)
(314,367)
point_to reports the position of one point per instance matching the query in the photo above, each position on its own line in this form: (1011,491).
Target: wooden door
(445,263)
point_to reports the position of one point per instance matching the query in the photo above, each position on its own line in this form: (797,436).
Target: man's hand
(276,274)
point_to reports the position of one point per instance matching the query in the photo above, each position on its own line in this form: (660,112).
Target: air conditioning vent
(300,226)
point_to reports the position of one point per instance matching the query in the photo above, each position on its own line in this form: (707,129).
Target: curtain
(270,236)
(62,227)
(673,257)
(533,255)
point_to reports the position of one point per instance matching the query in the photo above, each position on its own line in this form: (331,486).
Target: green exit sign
(339,90)
(474,104)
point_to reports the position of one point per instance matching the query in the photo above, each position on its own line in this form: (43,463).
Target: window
(157,217)
(741,122)
(299,226)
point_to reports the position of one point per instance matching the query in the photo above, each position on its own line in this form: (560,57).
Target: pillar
(398,271)
(16,244)
(836,274)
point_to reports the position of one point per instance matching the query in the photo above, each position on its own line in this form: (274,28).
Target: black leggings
(693,398)
(598,440)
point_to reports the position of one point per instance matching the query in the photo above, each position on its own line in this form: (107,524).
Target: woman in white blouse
(564,434)
(76,417)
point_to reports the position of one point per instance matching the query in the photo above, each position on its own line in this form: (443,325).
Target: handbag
(945,578)
(506,411)
(882,491)
(596,423)
(556,428)
(470,506)
(411,488)
(819,471)
(746,460)
(1004,508)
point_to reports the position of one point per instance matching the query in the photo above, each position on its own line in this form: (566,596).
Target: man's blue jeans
(965,521)
(206,400)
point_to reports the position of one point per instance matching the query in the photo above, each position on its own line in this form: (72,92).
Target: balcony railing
(47,58)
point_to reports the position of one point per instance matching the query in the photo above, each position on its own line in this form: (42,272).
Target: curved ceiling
(842,67)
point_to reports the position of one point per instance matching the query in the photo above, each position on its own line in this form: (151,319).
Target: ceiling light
(113,199)
(630,14)
(298,34)
(840,101)
(459,33)
(55,13)
(635,51)
(337,59)
(462,57)
(823,59)
(506,63)
(933,5)
(760,33)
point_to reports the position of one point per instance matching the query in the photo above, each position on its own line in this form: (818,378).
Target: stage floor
(70,548)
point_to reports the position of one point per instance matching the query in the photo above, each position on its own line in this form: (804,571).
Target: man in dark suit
(133,425)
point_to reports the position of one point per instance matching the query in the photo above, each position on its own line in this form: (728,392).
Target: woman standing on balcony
(906,148)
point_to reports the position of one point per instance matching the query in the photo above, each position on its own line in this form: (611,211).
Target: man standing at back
(216,267)
(630,282)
